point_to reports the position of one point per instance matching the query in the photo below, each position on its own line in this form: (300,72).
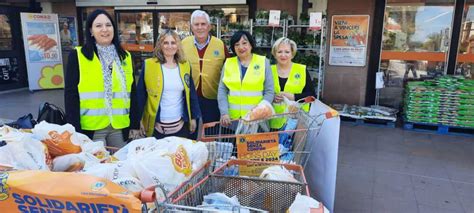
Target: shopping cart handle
(331,114)
(307,99)
(148,195)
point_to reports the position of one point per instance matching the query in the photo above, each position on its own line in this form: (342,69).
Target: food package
(263,110)
(306,204)
(44,191)
(60,140)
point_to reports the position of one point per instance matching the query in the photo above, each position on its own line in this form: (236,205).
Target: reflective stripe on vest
(246,93)
(92,94)
(154,86)
(212,62)
(100,112)
(96,95)
(295,85)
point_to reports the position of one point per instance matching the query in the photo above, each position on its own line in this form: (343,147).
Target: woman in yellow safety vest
(246,79)
(166,93)
(291,80)
(99,89)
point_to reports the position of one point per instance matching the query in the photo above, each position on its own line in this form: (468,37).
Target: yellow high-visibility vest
(295,84)
(244,94)
(93,115)
(154,86)
(212,62)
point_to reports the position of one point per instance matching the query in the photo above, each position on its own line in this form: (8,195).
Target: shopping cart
(293,141)
(254,193)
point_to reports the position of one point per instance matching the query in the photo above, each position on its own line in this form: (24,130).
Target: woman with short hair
(246,79)
(292,80)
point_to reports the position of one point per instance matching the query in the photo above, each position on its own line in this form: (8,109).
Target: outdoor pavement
(380,169)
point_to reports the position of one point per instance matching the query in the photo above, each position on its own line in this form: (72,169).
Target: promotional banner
(44,191)
(68,32)
(257,147)
(348,46)
(42,51)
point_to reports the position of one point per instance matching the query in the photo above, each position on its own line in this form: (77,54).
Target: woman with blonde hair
(166,91)
(292,80)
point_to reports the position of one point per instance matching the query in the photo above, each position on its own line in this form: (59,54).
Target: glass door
(12,58)
(415,44)
(139,30)
(465,56)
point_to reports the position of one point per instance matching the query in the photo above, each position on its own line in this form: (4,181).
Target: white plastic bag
(74,162)
(278,173)
(305,204)
(97,149)
(136,148)
(28,153)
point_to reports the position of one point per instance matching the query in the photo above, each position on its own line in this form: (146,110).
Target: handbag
(51,114)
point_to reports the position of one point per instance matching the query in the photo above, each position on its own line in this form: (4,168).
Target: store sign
(315,21)
(259,147)
(348,46)
(42,50)
(274,18)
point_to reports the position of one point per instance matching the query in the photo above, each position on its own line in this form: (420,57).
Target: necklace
(283,72)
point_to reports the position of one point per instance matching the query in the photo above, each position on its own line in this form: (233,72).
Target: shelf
(279,26)
(302,26)
(263,47)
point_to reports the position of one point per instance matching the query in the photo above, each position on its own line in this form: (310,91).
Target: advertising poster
(315,21)
(348,46)
(68,32)
(274,18)
(42,51)
(259,147)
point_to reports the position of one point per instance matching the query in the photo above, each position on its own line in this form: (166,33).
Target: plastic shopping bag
(60,140)
(278,173)
(305,204)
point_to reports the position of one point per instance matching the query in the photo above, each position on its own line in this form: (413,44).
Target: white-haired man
(206,55)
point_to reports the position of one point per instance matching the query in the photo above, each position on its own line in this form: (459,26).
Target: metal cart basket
(253,192)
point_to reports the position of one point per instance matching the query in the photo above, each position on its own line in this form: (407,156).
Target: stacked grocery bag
(446,100)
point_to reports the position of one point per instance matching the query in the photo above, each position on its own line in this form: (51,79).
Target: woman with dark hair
(99,89)
(246,79)
(166,93)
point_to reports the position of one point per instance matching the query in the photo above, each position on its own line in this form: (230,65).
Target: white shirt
(171,104)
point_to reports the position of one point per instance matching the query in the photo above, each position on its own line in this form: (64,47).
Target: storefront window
(465,57)
(6,39)
(415,44)
(136,28)
(179,21)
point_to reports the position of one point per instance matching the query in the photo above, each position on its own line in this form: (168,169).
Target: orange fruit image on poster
(44,191)
(349,30)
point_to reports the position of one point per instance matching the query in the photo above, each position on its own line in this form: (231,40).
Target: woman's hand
(135,134)
(192,126)
(278,98)
(225,120)
(288,95)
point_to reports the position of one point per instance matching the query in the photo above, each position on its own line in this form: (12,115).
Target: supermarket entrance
(139,29)
(12,58)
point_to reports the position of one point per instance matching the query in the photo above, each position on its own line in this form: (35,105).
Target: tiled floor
(393,170)
(380,169)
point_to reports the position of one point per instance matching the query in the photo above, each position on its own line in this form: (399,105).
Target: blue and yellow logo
(4,189)
(216,53)
(98,186)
